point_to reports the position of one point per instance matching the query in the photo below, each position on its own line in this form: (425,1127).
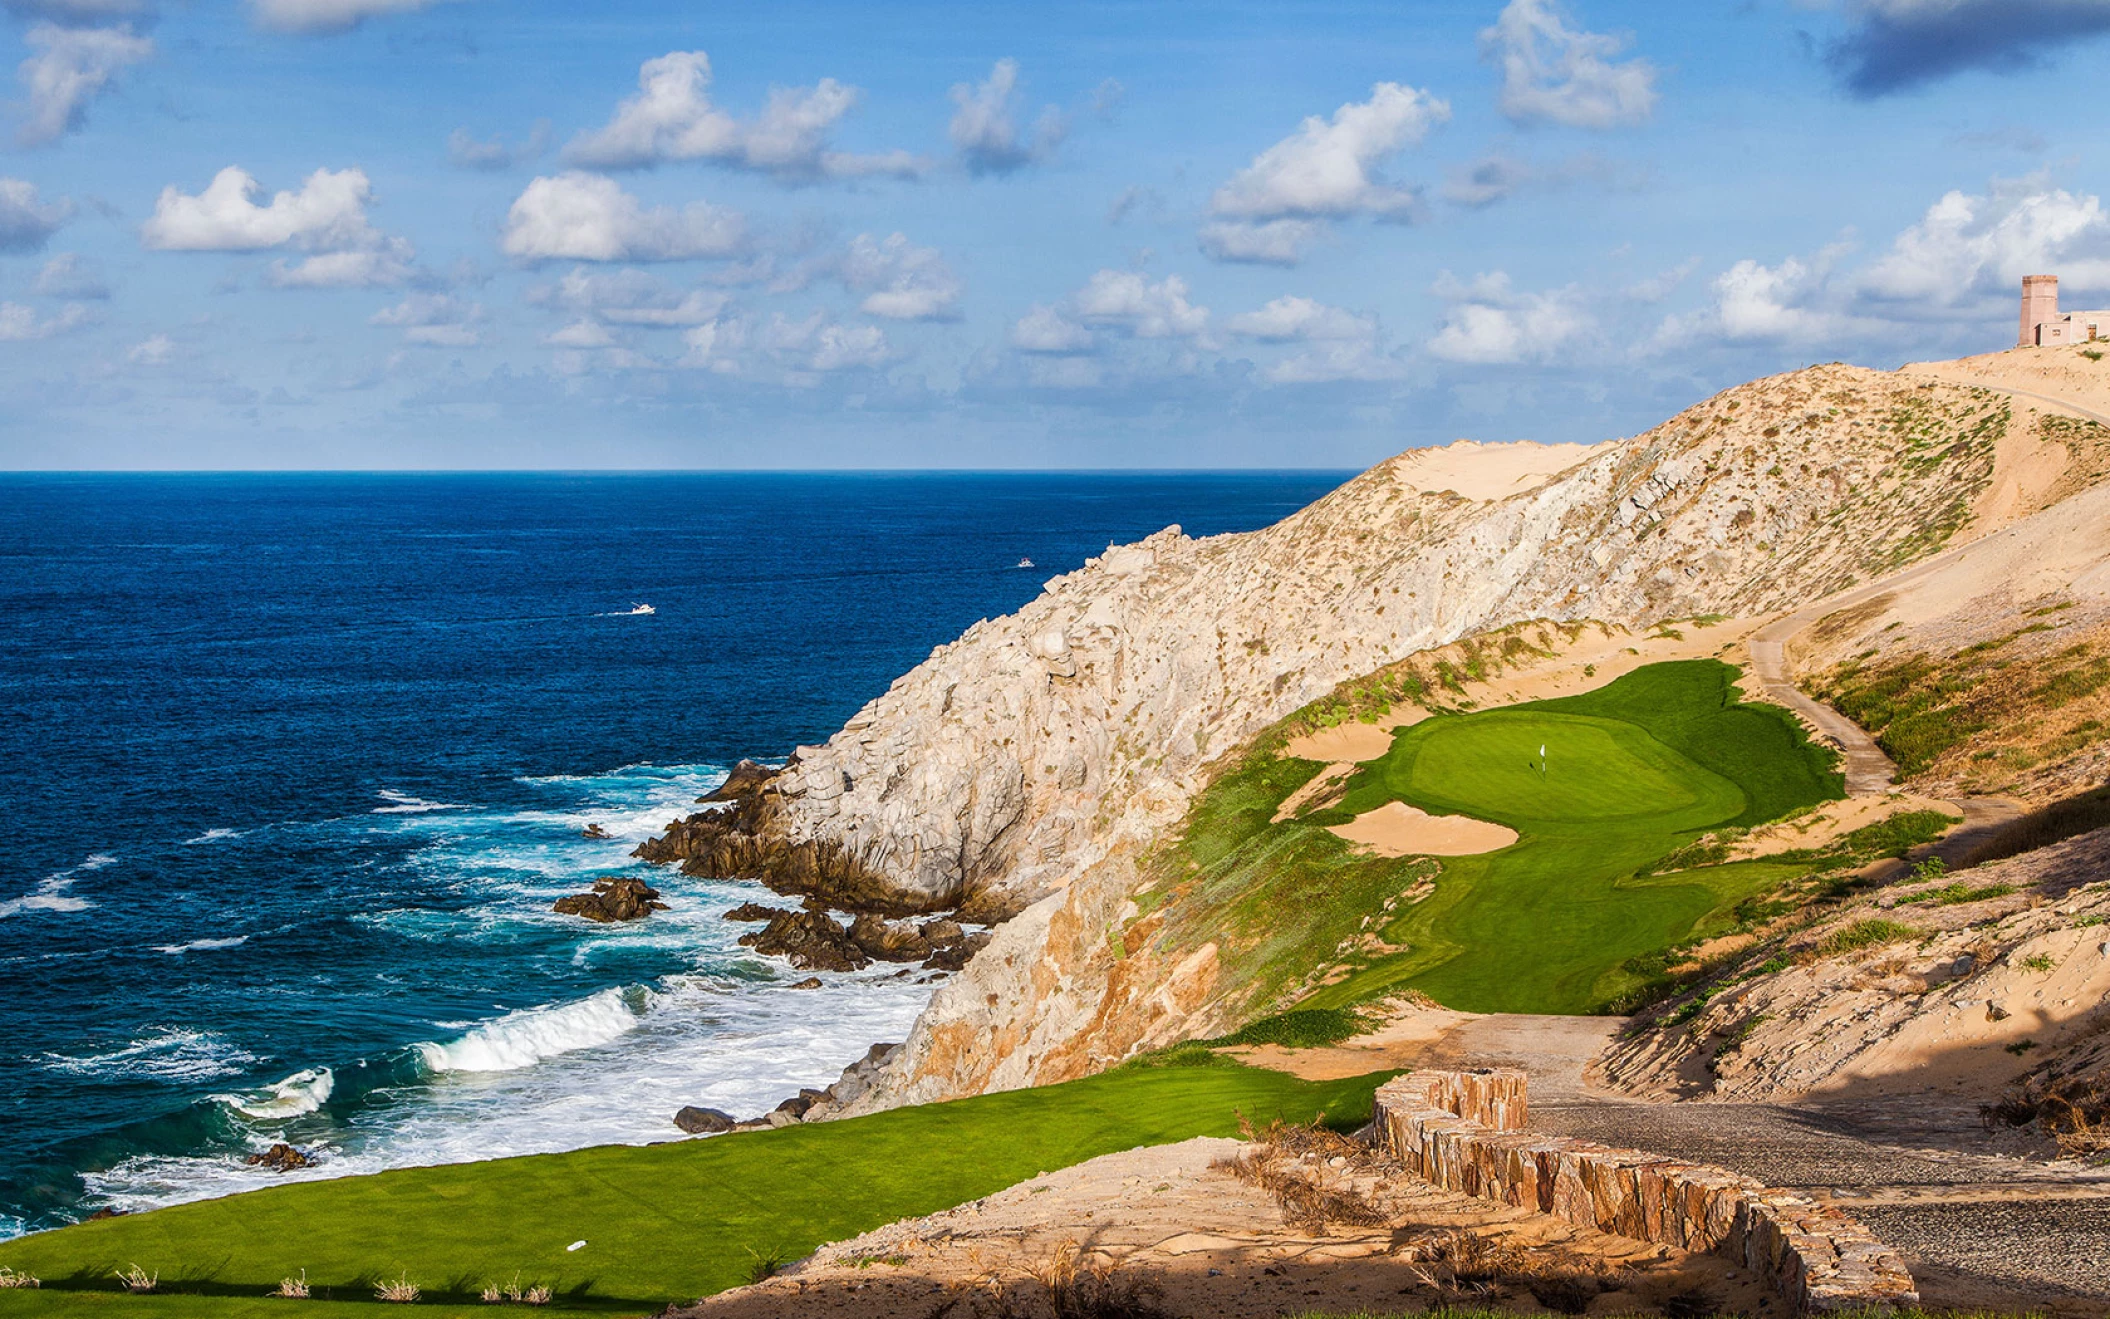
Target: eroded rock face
(612,900)
(1023,767)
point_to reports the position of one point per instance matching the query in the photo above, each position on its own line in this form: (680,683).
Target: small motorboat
(643,609)
(1025,563)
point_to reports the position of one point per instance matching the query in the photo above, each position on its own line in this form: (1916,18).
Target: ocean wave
(302,1092)
(54,894)
(403,803)
(524,1038)
(202,945)
(212,836)
(168,1053)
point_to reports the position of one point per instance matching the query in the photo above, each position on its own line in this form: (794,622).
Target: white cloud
(581,334)
(1289,319)
(1271,243)
(26,220)
(328,214)
(1793,302)
(467,152)
(71,67)
(1486,181)
(434,319)
(588,217)
(154,350)
(19,322)
(386,266)
(1046,330)
(715,346)
(819,344)
(901,281)
(311,17)
(1329,168)
(1558,74)
(1657,287)
(1128,301)
(984,127)
(1489,323)
(631,297)
(672,118)
(67,275)
(1970,248)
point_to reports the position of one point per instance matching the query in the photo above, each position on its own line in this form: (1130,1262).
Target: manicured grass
(662,1223)
(1634,771)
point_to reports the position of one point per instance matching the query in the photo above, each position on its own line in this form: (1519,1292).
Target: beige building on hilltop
(2043,325)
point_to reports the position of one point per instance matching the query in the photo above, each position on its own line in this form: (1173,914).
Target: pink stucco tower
(2040,303)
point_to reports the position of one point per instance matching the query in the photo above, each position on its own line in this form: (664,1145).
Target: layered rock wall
(1464,1131)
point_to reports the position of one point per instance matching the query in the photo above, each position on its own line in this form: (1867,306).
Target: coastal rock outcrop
(281,1157)
(612,899)
(811,940)
(1019,772)
(703,1121)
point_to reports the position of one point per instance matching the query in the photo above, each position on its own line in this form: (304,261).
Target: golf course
(1600,788)
(658,1223)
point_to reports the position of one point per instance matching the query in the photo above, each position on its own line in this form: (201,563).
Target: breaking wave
(524,1038)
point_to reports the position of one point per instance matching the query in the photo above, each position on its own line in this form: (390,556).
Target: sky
(442,234)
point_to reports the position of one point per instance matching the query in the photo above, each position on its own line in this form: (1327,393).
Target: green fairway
(661,1223)
(1630,773)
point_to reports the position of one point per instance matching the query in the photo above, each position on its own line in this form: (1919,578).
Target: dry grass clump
(1065,1287)
(10,1279)
(293,1289)
(511,1294)
(1290,1161)
(402,1291)
(2072,1110)
(2044,826)
(136,1279)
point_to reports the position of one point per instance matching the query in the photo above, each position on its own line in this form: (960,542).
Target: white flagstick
(1542,760)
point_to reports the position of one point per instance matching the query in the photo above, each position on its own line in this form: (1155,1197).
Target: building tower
(2040,303)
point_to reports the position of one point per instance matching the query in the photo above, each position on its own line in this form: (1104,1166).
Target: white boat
(643,609)
(1025,563)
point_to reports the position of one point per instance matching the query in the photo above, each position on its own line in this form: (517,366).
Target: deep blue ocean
(293,766)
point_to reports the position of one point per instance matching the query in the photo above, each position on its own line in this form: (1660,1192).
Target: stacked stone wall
(1465,1131)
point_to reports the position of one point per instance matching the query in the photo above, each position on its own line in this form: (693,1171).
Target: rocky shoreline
(739,837)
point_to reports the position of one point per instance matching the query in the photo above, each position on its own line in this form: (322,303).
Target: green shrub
(1300,1028)
(1864,934)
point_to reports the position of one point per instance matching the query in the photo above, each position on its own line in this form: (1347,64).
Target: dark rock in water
(812,940)
(746,780)
(754,911)
(810,982)
(593,831)
(101,1214)
(889,941)
(612,900)
(942,931)
(703,1121)
(280,1158)
(955,956)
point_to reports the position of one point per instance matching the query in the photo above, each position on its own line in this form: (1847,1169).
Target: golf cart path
(1978,1228)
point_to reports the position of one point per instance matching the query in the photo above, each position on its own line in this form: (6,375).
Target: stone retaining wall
(1464,1131)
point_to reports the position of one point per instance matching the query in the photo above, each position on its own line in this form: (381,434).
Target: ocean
(293,767)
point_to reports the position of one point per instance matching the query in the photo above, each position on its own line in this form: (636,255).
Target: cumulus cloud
(1553,73)
(1490,323)
(1290,319)
(388,264)
(984,126)
(900,281)
(71,67)
(328,214)
(1127,301)
(823,345)
(26,220)
(19,323)
(672,118)
(715,345)
(1486,181)
(466,151)
(69,275)
(1792,302)
(1972,247)
(438,320)
(1328,169)
(1272,243)
(1047,330)
(154,350)
(1898,44)
(581,334)
(631,297)
(317,17)
(588,217)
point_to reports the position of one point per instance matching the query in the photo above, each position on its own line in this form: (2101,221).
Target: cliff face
(1030,762)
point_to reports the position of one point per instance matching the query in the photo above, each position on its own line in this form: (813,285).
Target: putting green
(1631,772)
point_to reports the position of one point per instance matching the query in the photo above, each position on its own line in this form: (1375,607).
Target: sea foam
(302,1092)
(524,1038)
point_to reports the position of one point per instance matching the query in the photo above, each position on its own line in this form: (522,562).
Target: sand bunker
(1356,740)
(1397,829)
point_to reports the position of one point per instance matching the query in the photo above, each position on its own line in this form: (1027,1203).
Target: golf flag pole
(1542,759)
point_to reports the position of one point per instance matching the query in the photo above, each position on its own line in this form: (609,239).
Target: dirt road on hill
(1979,1228)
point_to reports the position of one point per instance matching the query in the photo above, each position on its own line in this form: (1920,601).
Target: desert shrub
(136,1279)
(1187,1053)
(402,1291)
(293,1289)
(2042,827)
(11,1280)
(1864,934)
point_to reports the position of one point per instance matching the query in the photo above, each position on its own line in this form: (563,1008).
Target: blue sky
(466,233)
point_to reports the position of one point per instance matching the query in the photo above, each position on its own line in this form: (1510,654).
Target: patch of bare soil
(1299,1221)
